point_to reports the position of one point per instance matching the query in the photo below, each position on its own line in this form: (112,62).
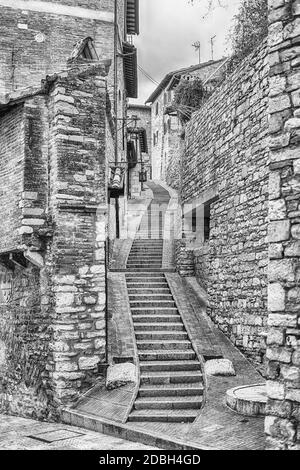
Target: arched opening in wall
(5,285)
(207,217)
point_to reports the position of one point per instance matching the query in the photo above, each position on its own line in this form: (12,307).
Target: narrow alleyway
(171,385)
(158,322)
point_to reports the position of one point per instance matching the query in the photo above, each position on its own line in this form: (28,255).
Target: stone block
(284,320)
(296,231)
(282,429)
(293,249)
(275,390)
(274,185)
(293,395)
(276,337)
(276,297)
(278,354)
(275,250)
(279,103)
(282,270)
(120,374)
(88,362)
(277,85)
(279,231)
(219,367)
(275,34)
(277,209)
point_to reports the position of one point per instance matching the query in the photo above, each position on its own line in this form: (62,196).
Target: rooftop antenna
(212,45)
(197,46)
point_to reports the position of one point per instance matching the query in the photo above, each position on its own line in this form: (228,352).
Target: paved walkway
(26,434)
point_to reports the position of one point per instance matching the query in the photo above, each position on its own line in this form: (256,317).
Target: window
(156,109)
(154,139)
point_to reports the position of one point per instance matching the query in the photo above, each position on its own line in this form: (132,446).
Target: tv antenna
(197,46)
(212,46)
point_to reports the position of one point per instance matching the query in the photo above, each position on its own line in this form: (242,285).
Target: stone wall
(283,386)
(25,388)
(77,104)
(225,163)
(174,150)
(53,325)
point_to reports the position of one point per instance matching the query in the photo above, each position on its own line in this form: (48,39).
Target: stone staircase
(171,383)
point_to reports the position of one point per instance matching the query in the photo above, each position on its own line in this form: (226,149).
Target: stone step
(139,326)
(148,291)
(151,296)
(147,249)
(171,377)
(152,242)
(160,366)
(171,390)
(169,403)
(159,279)
(156,319)
(154,311)
(154,234)
(161,335)
(170,416)
(144,255)
(172,355)
(147,285)
(151,266)
(152,304)
(146,275)
(142,260)
(148,270)
(160,345)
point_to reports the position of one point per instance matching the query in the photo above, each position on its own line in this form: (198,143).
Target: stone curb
(123,431)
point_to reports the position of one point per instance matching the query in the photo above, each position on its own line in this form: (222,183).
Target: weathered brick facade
(225,165)
(54,172)
(283,386)
(36,38)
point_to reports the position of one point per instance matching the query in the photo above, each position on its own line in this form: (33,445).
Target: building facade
(166,128)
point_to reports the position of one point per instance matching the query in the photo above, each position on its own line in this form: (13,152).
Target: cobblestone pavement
(15,434)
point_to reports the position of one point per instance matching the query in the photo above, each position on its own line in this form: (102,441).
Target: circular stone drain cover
(248,400)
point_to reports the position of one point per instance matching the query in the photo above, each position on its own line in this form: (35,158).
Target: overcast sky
(168,28)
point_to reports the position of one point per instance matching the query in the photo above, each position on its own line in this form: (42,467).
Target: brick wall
(24,61)
(283,386)
(226,156)
(12,157)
